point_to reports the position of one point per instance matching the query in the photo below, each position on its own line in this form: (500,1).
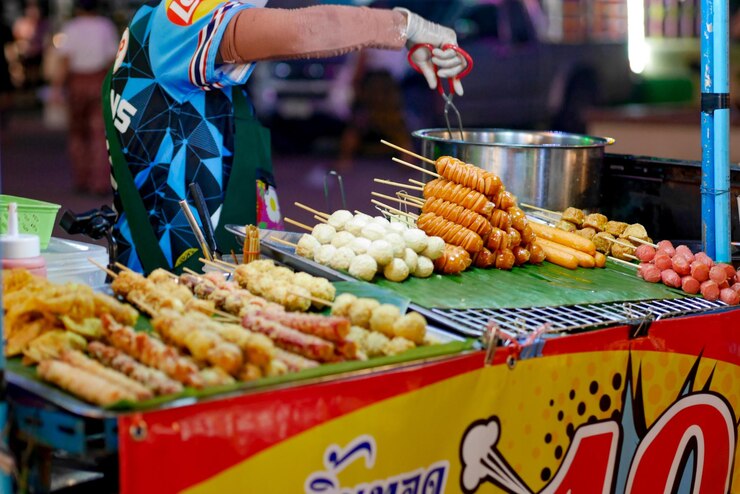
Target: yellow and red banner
(602,412)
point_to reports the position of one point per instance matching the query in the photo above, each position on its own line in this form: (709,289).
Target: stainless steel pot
(552,170)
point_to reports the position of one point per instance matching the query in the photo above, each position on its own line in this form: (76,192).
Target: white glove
(449,64)
(420,30)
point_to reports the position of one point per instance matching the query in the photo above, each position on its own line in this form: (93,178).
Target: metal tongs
(447,97)
(205,237)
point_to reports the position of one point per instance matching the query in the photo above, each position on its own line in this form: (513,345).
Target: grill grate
(574,317)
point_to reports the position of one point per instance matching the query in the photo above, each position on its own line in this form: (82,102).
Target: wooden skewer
(419,168)
(396,199)
(417,182)
(328,303)
(537,208)
(298,223)
(619,242)
(311,210)
(229,265)
(395,184)
(409,197)
(122,267)
(410,153)
(191,271)
(284,242)
(112,274)
(226,315)
(392,209)
(320,219)
(151,310)
(620,261)
(215,265)
(641,241)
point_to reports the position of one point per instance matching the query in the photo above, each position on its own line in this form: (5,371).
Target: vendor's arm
(322,31)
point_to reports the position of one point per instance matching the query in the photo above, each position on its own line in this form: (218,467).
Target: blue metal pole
(721,24)
(707,129)
(715,84)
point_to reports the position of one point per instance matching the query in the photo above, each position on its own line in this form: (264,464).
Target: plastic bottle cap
(18,245)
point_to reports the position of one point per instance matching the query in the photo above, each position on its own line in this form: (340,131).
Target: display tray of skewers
(459,241)
(694,273)
(167,339)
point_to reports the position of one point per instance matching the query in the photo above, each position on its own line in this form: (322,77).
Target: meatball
(398,227)
(342,239)
(381,251)
(342,304)
(596,221)
(323,233)
(411,259)
(397,346)
(412,326)
(416,239)
(361,311)
(435,248)
(424,267)
(340,218)
(383,318)
(396,270)
(363,267)
(373,231)
(307,246)
(397,243)
(342,259)
(360,245)
(324,254)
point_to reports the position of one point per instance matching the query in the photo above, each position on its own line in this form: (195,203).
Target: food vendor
(176,111)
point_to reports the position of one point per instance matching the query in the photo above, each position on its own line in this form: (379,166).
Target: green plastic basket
(37,217)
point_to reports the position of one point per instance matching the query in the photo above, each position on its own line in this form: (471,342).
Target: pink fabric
(320,31)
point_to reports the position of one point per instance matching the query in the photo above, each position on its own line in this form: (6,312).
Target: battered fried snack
(289,339)
(566,226)
(574,215)
(84,384)
(151,378)
(152,352)
(294,362)
(615,228)
(186,332)
(587,232)
(602,241)
(635,230)
(452,233)
(80,361)
(596,221)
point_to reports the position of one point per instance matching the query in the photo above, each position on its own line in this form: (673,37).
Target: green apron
(251,161)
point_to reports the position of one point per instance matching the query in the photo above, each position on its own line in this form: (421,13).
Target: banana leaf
(546,285)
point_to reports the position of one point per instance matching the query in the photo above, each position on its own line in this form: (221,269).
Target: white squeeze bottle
(21,250)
